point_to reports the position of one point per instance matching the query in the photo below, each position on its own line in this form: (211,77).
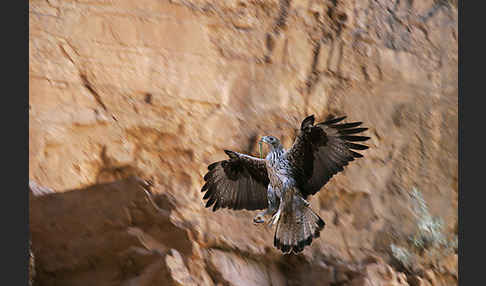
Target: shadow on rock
(105,234)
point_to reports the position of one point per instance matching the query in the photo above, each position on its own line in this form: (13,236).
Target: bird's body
(281,182)
(279,174)
(278,169)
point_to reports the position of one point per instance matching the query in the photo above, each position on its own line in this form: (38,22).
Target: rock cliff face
(129,101)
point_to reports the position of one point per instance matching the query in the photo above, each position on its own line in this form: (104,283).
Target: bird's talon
(258,219)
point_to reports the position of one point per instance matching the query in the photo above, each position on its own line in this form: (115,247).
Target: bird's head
(271,140)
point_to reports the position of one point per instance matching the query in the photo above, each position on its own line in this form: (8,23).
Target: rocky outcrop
(105,233)
(157,89)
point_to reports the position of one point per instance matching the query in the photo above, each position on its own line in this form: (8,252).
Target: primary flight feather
(280,183)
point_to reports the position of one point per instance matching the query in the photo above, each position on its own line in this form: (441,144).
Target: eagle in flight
(281,183)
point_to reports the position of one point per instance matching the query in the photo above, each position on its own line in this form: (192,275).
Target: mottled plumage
(282,181)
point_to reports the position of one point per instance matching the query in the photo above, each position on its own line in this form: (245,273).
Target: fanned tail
(297,226)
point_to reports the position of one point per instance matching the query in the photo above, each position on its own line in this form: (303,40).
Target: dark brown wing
(237,183)
(322,150)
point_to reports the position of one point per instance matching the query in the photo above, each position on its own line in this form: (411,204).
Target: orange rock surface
(122,93)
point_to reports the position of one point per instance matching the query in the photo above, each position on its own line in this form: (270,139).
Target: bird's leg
(276,216)
(273,204)
(286,190)
(306,203)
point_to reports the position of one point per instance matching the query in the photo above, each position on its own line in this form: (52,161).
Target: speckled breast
(278,172)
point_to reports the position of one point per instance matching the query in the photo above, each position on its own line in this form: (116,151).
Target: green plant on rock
(401,255)
(428,238)
(429,229)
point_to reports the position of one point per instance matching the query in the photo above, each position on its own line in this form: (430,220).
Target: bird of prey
(281,183)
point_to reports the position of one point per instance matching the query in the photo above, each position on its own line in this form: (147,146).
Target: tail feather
(296,229)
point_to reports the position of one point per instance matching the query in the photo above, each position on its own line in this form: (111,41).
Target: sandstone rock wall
(156,89)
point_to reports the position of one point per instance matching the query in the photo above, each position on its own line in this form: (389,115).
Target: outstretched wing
(322,150)
(237,183)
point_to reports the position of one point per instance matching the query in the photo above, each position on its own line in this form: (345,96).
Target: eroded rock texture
(154,90)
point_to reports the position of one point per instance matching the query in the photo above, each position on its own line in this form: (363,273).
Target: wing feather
(356,146)
(345,125)
(354,138)
(353,131)
(332,120)
(239,182)
(320,151)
